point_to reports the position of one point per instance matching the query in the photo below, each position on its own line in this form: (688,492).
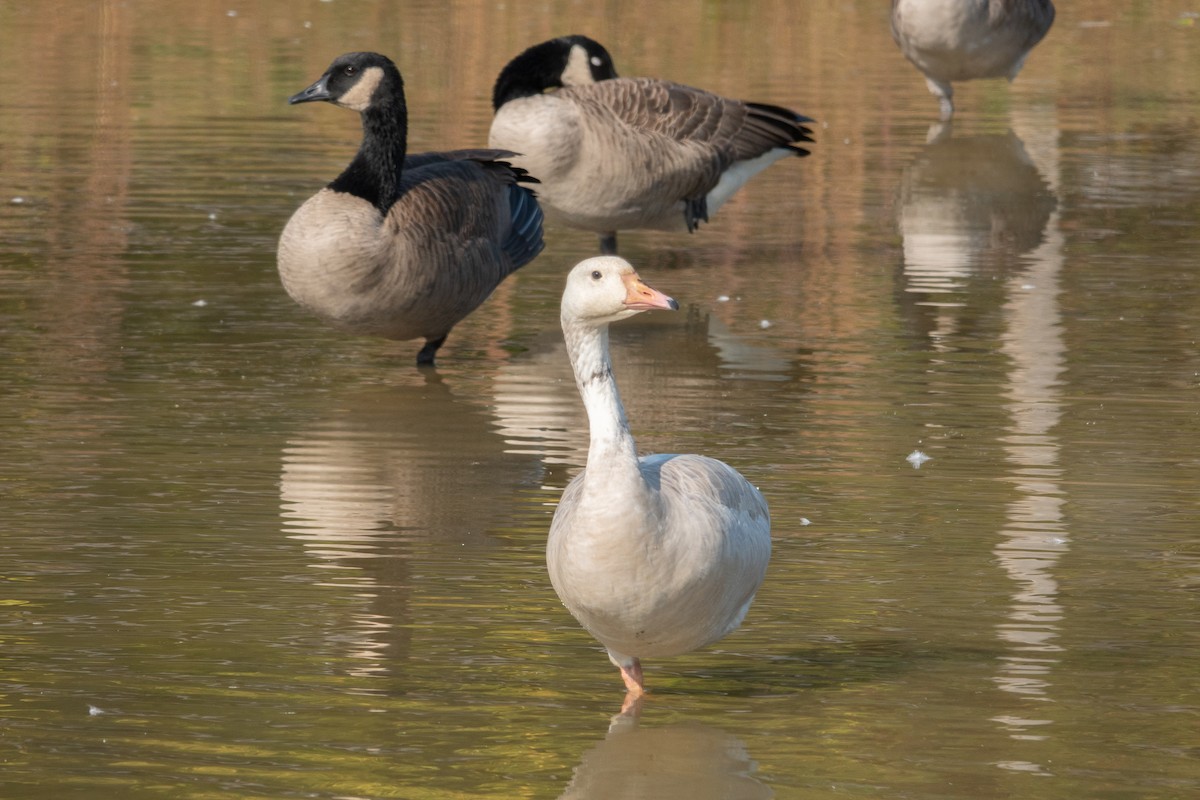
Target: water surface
(245,555)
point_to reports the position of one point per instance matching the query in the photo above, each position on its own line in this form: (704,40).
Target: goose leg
(608,243)
(425,357)
(944,92)
(695,211)
(631,672)
(632,675)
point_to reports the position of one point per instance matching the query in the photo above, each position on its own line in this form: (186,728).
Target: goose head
(566,61)
(606,289)
(358,81)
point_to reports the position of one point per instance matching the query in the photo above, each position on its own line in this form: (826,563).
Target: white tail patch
(738,173)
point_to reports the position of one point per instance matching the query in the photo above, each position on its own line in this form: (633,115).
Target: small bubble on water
(917,458)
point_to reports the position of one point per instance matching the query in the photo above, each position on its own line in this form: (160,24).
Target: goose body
(617,153)
(654,556)
(404,246)
(960,40)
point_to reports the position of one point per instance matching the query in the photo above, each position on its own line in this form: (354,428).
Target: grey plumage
(960,40)
(659,555)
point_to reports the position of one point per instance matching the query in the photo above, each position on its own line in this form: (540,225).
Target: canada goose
(618,153)
(404,246)
(654,556)
(959,40)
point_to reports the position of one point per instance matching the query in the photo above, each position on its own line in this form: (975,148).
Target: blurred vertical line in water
(1036,535)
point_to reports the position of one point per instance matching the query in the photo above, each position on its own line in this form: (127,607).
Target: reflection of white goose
(674,762)
(967,205)
(1036,535)
(655,556)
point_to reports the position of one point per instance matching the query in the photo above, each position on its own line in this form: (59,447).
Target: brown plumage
(404,246)
(619,153)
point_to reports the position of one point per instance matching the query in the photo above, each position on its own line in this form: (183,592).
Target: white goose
(960,40)
(654,556)
(619,153)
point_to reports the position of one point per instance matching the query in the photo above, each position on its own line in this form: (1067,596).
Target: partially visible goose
(959,40)
(619,153)
(404,246)
(654,556)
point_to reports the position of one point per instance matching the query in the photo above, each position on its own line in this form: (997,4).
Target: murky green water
(244,555)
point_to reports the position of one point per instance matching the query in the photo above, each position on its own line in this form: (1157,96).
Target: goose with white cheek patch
(654,556)
(618,153)
(404,246)
(961,40)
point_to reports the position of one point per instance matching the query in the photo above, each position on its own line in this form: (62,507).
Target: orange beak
(640,297)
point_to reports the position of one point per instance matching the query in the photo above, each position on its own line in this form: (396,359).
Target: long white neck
(612,447)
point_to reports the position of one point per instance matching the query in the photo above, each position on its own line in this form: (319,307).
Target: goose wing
(459,227)
(472,195)
(735,130)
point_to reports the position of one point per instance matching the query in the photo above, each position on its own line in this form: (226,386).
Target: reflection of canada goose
(672,762)
(968,205)
(365,476)
(371,496)
(403,246)
(654,556)
(537,406)
(959,40)
(618,153)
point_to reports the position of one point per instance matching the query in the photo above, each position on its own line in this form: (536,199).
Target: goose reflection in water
(979,215)
(1036,535)
(537,405)
(384,470)
(672,762)
(971,207)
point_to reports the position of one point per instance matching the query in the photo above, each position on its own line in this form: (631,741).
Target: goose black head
(586,61)
(566,61)
(357,81)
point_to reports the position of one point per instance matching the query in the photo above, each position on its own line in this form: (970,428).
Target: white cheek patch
(578,72)
(359,96)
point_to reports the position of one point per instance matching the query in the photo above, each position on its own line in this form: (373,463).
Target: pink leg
(631,673)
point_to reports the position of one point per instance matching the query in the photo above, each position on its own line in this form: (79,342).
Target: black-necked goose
(960,40)
(404,246)
(655,556)
(620,153)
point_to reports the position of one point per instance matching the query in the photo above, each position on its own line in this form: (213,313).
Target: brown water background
(243,555)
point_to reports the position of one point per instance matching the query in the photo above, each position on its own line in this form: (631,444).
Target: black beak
(318,91)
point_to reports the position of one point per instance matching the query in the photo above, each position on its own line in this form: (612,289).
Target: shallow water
(248,556)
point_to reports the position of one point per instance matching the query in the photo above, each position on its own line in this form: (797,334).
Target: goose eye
(596,275)
(349,70)
(596,61)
